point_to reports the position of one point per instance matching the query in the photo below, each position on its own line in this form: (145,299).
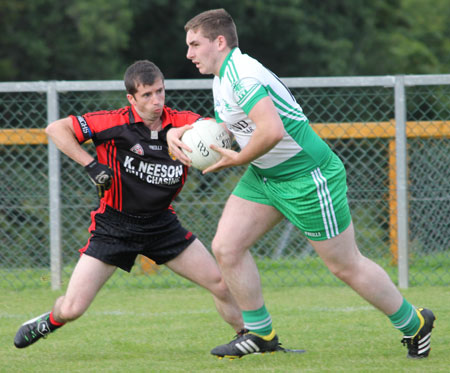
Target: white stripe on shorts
(326,204)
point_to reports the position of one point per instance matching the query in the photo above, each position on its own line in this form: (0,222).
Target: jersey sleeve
(95,125)
(82,130)
(247,92)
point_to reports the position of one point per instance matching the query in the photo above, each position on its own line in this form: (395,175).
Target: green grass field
(172,330)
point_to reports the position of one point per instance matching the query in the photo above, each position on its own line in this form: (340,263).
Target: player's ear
(221,42)
(131,99)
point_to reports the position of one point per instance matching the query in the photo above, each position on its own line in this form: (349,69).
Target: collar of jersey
(225,63)
(136,118)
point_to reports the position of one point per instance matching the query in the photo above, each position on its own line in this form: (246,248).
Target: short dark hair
(141,72)
(213,23)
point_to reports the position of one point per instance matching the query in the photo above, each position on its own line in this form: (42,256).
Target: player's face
(204,53)
(149,100)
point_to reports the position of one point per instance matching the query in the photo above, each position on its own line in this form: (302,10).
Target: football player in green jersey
(292,174)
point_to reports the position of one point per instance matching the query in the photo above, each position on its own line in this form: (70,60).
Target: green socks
(258,321)
(406,319)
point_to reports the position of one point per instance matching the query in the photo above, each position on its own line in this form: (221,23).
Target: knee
(342,272)
(218,249)
(215,284)
(70,310)
(222,253)
(220,289)
(347,271)
(227,254)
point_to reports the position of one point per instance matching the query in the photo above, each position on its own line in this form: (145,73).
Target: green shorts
(315,202)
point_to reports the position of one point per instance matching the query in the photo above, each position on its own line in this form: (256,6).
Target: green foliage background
(97,39)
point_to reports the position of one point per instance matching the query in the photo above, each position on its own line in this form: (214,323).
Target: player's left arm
(269,131)
(175,144)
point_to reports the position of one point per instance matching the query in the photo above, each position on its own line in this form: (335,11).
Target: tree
(422,45)
(98,39)
(317,38)
(71,39)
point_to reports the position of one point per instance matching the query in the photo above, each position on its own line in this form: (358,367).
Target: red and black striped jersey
(146,177)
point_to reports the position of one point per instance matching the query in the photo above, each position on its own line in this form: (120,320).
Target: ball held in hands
(199,138)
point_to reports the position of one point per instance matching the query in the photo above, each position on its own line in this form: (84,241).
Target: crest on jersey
(137,149)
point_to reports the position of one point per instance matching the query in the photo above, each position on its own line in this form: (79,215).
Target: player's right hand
(175,144)
(101,175)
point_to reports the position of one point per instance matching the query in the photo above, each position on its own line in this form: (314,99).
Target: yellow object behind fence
(357,130)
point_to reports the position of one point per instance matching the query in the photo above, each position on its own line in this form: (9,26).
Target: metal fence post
(54,176)
(410,185)
(402,180)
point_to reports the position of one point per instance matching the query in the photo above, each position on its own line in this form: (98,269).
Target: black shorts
(117,238)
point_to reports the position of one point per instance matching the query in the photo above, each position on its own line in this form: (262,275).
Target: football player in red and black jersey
(137,180)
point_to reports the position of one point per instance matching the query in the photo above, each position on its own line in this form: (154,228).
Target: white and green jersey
(243,81)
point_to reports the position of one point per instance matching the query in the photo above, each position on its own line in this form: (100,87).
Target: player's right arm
(268,133)
(62,133)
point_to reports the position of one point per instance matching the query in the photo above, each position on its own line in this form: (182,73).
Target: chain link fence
(358,117)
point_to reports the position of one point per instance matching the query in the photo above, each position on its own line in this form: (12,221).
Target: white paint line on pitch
(192,312)
(151,314)
(122,313)
(338,309)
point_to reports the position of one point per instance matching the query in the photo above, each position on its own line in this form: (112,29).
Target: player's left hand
(229,158)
